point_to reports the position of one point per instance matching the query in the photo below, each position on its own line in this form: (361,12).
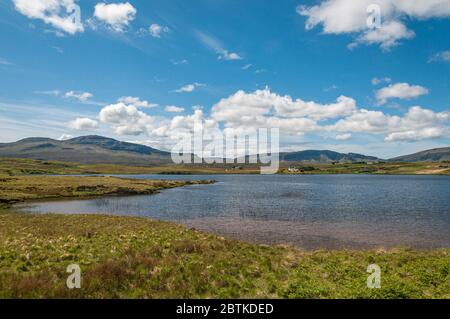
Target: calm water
(317,211)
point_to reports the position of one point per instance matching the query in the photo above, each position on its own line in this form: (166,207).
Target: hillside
(102,150)
(85,149)
(434,155)
(324,156)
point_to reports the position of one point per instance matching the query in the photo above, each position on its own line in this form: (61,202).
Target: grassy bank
(421,168)
(15,189)
(140,258)
(9,166)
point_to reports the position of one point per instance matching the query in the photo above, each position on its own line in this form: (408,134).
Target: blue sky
(142,70)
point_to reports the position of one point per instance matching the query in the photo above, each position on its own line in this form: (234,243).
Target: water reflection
(331,211)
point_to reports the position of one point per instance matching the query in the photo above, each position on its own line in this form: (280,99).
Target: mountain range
(97,149)
(85,149)
(434,155)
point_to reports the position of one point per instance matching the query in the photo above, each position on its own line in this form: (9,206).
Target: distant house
(293,170)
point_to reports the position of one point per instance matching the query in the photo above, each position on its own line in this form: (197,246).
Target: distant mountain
(102,150)
(85,149)
(324,156)
(434,155)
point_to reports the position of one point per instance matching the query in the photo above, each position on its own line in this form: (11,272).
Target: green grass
(432,168)
(15,189)
(128,257)
(13,166)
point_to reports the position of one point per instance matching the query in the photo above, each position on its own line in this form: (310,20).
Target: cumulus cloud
(418,123)
(417,135)
(351,17)
(242,105)
(400,91)
(174,109)
(80,96)
(243,112)
(57,13)
(83,124)
(189,88)
(117,16)
(126,119)
(157,30)
(136,102)
(387,35)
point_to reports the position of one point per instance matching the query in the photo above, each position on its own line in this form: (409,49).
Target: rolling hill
(434,155)
(324,156)
(86,150)
(102,150)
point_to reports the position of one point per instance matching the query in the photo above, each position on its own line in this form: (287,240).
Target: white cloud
(116,15)
(243,112)
(157,30)
(400,91)
(387,36)
(243,105)
(65,137)
(377,81)
(247,66)
(174,109)
(331,88)
(126,119)
(57,13)
(83,123)
(343,137)
(350,17)
(5,62)
(178,62)
(58,49)
(214,44)
(51,92)
(230,56)
(418,123)
(443,56)
(189,88)
(81,96)
(417,135)
(136,102)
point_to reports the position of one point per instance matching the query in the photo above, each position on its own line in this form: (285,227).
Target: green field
(14,166)
(127,257)
(14,189)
